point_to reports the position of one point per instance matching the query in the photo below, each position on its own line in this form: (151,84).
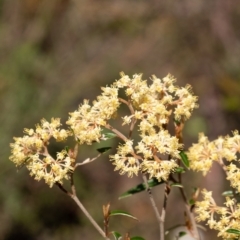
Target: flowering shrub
(157,155)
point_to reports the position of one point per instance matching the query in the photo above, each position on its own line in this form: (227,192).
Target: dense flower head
(202,155)
(219,218)
(152,107)
(124,160)
(159,97)
(87,122)
(31,150)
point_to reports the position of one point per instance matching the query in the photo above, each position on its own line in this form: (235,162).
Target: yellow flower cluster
(31,150)
(219,218)
(202,155)
(87,121)
(152,106)
(155,102)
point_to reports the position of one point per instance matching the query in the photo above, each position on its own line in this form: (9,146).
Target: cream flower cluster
(87,122)
(202,155)
(31,150)
(219,218)
(152,106)
(156,102)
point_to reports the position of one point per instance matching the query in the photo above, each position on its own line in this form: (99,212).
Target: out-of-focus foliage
(53,54)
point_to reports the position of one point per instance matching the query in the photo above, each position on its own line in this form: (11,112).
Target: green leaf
(121,213)
(117,236)
(184,158)
(181,234)
(228,193)
(234,231)
(137,238)
(179,170)
(177,122)
(176,185)
(109,135)
(191,202)
(103,150)
(66,148)
(140,187)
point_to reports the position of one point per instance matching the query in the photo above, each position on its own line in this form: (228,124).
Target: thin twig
(94,223)
(189,210)
(163,214)
(86,161)
(119,134)
(72,185)
(154,206)
(83,209)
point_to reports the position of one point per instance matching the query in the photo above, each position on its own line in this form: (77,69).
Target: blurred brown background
(53,54)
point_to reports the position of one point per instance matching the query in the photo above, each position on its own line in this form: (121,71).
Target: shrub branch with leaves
(158,155)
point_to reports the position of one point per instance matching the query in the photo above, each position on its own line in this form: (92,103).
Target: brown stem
(154,206)
(163,214)
(134,120)
(188,210)
(80,205)
(119,134)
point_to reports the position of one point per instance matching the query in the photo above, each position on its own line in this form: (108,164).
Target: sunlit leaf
(179,170)
(184,159)
(109,135)
(121,213)
(234,231)
(227,193)
(176,185)
(140,187)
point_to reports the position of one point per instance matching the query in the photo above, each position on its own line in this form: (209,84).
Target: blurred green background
(53,54)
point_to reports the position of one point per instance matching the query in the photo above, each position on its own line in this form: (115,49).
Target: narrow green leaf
(176,185)
(184,158)
(121,213)
(66,148)
(179,170)
(137,238)
(103,150)
(117,236)
(154,182)
(140,187)
(228,193)
(109,135)
(234,231)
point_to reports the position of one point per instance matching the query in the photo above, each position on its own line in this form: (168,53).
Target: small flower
(124,160)
(201,155)
(186,102)
(159,170)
